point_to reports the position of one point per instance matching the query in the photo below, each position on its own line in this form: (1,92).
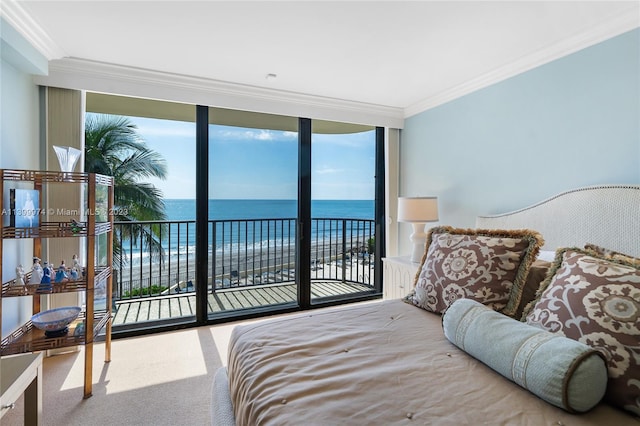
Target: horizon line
(276,199)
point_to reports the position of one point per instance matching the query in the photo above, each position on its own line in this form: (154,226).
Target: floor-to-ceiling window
(260,214)
(149,146)
(342,208)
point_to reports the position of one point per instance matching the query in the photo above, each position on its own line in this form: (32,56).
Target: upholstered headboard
(607,215)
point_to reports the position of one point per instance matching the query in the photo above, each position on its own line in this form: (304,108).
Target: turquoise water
(269,209)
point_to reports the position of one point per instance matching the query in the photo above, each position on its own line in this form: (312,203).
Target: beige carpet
(160,379)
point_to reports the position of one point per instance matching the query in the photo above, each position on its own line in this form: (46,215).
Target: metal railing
(155,258)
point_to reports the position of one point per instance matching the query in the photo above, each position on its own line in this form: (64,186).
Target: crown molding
(73,73)
(616,26)
(20,20)
(109,78)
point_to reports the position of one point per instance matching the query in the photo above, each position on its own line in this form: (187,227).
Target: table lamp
(418,211)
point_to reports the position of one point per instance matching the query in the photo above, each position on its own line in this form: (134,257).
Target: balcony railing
(157,258)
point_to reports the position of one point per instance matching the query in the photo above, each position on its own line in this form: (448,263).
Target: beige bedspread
(383,363)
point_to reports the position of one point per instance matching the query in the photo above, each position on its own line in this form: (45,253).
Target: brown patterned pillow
(612,254)
(535,277)
(489,266)
(596,301)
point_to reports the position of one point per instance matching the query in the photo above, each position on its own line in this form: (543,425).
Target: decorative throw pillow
(562,371)
(535,277)
(489,266)
(596,301)
(612,254)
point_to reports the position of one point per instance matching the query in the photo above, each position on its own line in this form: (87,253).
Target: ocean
(255,225)
(269,209)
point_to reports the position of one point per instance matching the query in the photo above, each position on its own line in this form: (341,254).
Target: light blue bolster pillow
(562,371)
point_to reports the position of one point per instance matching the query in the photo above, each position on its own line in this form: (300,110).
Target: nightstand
(398,274)
(22,375)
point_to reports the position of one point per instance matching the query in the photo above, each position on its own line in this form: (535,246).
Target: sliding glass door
(252,208)
(342,210)
(290,212)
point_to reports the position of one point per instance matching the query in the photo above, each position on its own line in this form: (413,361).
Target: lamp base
(419,240)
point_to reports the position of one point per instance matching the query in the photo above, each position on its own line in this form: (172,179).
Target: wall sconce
(418,211)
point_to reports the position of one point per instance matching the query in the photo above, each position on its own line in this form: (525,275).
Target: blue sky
(261,164)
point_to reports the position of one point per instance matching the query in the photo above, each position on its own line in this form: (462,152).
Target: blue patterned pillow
(562,371)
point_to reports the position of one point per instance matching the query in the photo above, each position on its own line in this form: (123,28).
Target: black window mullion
(303,252)
(202,211)
(379,213)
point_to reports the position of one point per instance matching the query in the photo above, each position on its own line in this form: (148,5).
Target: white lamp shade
(418,209)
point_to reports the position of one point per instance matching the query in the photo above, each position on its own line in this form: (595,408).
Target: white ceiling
(393,54)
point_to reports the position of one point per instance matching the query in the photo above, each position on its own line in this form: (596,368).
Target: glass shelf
(29,339)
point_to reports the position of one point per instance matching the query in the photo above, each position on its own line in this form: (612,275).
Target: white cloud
(252,135)
(327,170)
(262,135)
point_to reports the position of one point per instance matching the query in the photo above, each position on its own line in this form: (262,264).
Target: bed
(396,362)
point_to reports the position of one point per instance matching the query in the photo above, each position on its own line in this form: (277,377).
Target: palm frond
(143,163)
(113,147)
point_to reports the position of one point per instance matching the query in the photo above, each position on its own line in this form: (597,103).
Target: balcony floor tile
(180,305)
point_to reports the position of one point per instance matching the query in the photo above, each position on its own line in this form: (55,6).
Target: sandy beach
(243,267)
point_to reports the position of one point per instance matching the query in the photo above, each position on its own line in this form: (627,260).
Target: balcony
(251,264)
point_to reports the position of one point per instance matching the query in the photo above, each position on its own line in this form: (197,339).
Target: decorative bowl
(54,322)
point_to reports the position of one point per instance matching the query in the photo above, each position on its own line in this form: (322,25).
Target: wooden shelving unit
(94,223)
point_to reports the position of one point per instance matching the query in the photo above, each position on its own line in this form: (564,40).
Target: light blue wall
(19,100)
(19,149)
(569,123)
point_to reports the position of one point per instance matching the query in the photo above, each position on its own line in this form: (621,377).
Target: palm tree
(114,148)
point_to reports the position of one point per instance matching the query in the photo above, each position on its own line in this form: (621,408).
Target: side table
(398,275)
(22,374)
